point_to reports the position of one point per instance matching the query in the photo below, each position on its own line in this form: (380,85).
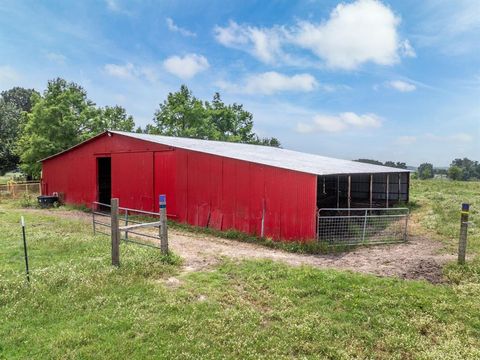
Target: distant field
(78,306)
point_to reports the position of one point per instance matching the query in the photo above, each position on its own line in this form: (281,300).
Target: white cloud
(8,75)
(402,86)
(175,28)
(272,82)
(407,50)
(406,140)
(56,57)
(112,5)
(186,67)
(355,33)
(121,71)
(263,43)
(340,122)
(129,71)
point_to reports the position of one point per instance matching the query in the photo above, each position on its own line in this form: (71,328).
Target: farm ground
(420,258)
(230,300)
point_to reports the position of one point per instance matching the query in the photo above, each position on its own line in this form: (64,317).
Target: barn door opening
(104,179)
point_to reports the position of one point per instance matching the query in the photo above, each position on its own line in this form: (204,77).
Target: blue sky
(390,80)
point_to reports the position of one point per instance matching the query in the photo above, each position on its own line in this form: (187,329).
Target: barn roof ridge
(267,155)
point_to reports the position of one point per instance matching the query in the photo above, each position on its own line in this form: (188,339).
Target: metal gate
(142,235)
(362,226)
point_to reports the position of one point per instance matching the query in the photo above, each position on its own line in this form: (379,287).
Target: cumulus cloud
(355,33)
(271,82)
(187,66)
(340,122)
(402,86)
(175,28)
(263,43)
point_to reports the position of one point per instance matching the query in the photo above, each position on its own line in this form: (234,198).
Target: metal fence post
(115,232)
(364,225)
(126,223)
(162,200)
(93,218)
(462,244)
(405,231)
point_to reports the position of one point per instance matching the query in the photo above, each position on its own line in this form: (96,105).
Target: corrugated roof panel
(281,158)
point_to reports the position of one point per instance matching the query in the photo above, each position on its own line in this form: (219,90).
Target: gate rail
(128,217)
(362,226)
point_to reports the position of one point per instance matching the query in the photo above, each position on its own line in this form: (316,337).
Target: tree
(455,172)
(62,118)
(19,97)
(425,171)
(10,124)
(113,118)
(184,115)
(469,169)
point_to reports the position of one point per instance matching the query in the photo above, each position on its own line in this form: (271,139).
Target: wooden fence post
(162,200)
(462,244)
(115,232)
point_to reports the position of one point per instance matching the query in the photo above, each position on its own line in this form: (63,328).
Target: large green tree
(20,97)
(61,118)
(464,169)
(182,114)
(425,171)
(10,123)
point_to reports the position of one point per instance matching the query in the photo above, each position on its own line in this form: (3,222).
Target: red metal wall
(202,189)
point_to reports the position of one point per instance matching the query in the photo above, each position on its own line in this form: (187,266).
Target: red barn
(219,184)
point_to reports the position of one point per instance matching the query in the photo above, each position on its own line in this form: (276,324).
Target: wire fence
(16,190)
(145,236)
(362,226)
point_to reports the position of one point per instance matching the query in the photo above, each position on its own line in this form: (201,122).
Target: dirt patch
(419,258)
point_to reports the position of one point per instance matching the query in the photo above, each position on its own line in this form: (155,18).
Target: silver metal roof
(267,155)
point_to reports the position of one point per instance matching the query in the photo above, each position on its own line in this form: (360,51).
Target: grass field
(78,306)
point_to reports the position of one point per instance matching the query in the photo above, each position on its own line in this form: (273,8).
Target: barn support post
(338,191)
(162,200)
(387,191)
(462,244)
(349,197)
(399,187)
(371,190)
(115,232)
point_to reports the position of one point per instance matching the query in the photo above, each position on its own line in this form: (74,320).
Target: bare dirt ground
(419,258)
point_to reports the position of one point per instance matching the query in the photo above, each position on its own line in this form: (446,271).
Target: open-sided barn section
(256,189)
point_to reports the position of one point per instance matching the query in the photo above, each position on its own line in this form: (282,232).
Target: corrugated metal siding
(132,180)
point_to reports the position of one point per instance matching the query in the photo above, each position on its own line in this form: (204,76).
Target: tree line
(459,169)
(36,125)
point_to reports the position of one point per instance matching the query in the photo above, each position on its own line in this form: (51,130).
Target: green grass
(436,207)
(78,306)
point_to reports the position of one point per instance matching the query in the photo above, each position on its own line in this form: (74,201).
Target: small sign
(162,200)
(465,208)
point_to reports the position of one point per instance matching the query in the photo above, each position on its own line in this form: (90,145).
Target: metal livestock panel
(362,226)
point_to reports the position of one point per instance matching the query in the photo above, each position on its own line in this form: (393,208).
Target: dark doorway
(104,179)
